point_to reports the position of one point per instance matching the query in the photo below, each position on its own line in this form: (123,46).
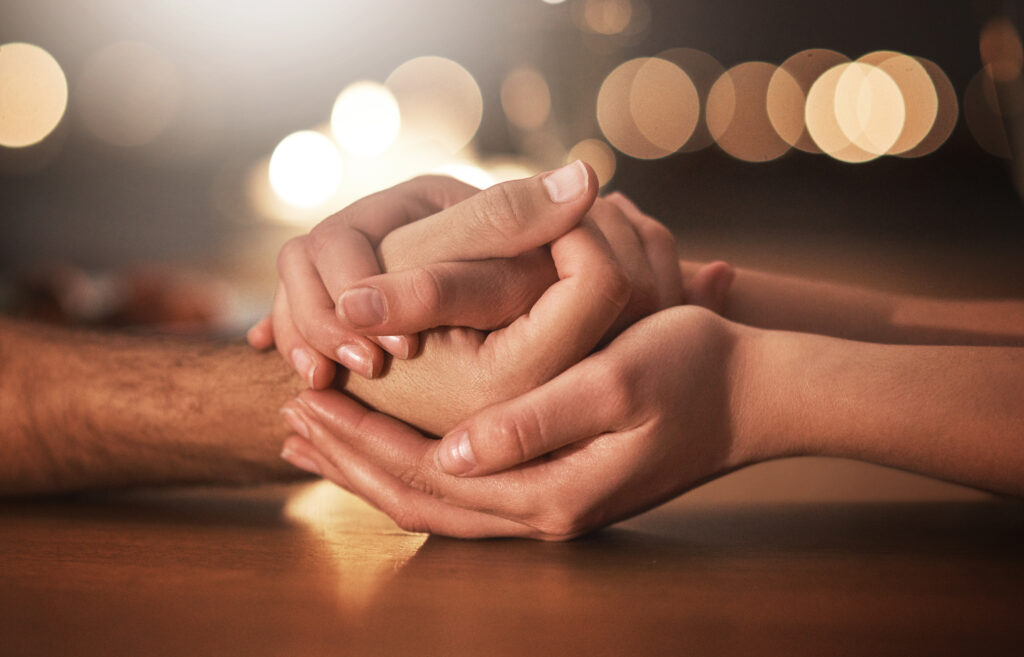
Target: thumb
(502,221)
(578,404)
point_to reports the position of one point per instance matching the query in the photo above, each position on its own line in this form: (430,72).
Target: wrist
(764,376)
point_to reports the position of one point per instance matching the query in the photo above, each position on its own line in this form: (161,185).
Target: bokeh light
(33,94)
(365,119)
(647,107)
(737,113)
(526,98)
(981,111)
(703,70)
(607,16)
(821,117)
(869,107)
(787,94)
(305,169)
(439,102)
(615,118)
(598,155)
(946,115)
(467,172)
(664,104)
(921,102)
(128,93)
(1001,50)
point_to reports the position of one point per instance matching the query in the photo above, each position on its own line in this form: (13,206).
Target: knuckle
(408,521)
(615,286)
(620,385)
(427,289)
(657,233)
(517,437)
(499,211)
(290,251)
(417,477)
(562,524)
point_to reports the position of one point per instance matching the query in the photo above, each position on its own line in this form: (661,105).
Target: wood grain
(310,570)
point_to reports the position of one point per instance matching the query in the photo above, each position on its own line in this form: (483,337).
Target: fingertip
(324,374)
(454,454)
(301,454)
(709,286)
(402,347)
(260,335)
(571,183)
(363,358)
(362,306)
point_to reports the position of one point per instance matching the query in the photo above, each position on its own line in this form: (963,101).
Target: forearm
(785,303)
(955,413)
(82,410)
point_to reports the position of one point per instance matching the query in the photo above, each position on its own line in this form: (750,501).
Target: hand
(650,416)
(504,224)
(457,294)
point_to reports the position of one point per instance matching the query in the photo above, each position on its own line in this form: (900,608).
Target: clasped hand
(538,328)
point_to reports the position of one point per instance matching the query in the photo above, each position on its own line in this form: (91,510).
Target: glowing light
(439,101)
(787,94)
(526,99)
(703,70)
(505,170)
(738,114)
(607,16)
(921,102)
(365,119)
(305,169)
(615,113)
(598,155)
(129,93)
(33,94)
(823,122)
(1001,49)
(947,111)
(981,111)
(869,107)
(470,174)
(664,104)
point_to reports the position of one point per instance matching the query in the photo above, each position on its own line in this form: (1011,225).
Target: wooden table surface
(806,557)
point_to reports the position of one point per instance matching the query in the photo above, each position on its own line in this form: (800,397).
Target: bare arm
(681,397)
(785,303)
(955,413)
(88,410)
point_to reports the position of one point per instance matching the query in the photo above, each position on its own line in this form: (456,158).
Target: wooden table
(807,557)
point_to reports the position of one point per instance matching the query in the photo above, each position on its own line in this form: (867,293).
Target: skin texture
(82,410)
(684,396)
(679,398)
(523,310)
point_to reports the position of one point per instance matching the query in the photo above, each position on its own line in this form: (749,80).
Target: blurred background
(154,155)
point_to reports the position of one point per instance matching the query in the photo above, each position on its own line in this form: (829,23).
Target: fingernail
(566,184)
(356,358)
(455,455)
(364,306)
(296,422)
(304,364)
(301,462)
(396,345)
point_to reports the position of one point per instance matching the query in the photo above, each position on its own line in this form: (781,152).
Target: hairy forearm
(785,303)
(955,413)
(84,410)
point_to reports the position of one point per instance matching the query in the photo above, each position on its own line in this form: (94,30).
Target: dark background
(948,223)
